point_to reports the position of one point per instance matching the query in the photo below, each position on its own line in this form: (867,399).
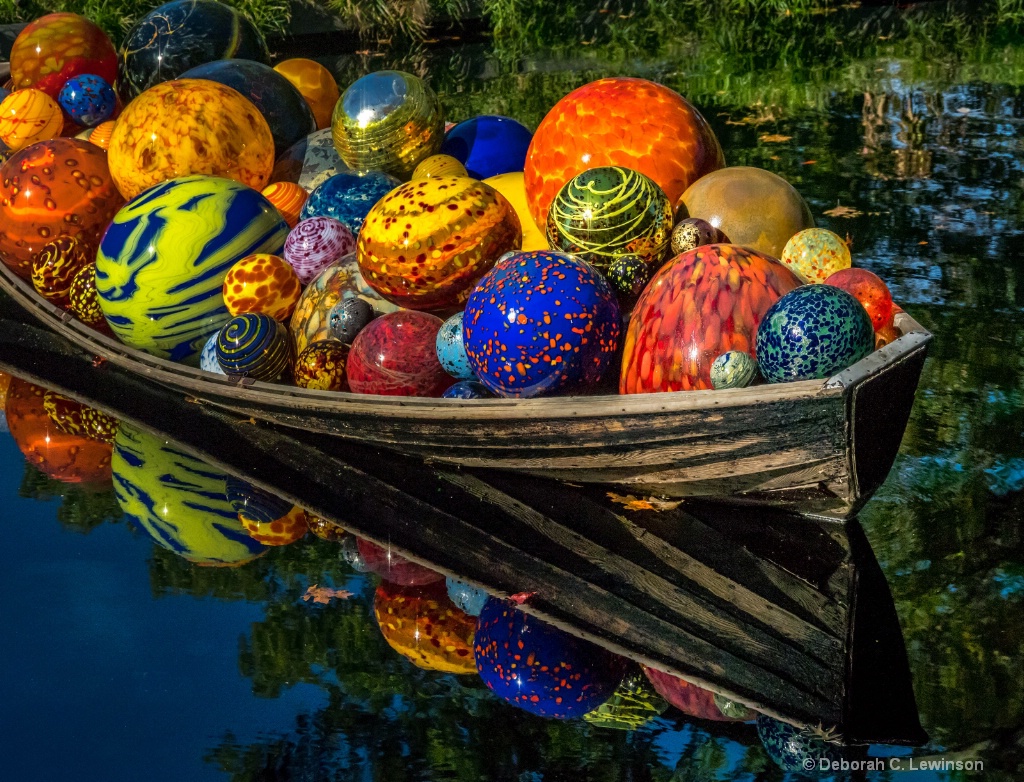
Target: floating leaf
(629,502)
(774,138)
(843,211)
(319,594)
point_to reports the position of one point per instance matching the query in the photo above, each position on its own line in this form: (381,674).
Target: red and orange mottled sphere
(424,625)
(393,567)
(55,47)
(620,121)
(870,291)
(262,283)
(69,458)
(701,304)
(688,698)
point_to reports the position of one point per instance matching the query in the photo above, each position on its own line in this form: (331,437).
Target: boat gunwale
(205,385)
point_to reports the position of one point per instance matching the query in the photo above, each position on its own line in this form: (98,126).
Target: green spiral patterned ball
(178,500)
(253,345)
(607,212)
(733,369)
(633,704)
(162,262)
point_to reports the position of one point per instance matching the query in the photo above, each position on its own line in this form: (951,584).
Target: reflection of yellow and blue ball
(178,500)
(162,263)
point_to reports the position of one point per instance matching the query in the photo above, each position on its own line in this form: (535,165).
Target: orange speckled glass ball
(753,207)
(288,198)
(619,122)
(69,458)
(60,187)
(28,116)
(56,47)
(279,532)
(701,304)
(422,624)
(426,243)
(262,283)
(190,126)
(316,85)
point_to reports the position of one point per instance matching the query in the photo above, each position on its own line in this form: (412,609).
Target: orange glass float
(100,135)
(620,122)
(55,47)
(316,85)
(288,198)
(427,243)
(28,116)
(701,304)
(867,288)
(423,624)
(69,458)
(190,126)
(60,187)
(753,207)
(279,532)
(262,283)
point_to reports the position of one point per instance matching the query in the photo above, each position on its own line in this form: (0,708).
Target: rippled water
(123,661)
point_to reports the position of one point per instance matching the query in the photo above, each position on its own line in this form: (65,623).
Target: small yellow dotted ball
(815,254)
(439,165)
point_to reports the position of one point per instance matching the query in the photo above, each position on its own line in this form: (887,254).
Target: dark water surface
(125,662)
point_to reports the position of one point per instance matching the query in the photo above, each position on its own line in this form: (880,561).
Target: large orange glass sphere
(751,206)
(69,458)
(701,304)
(316,85)
(56,47)
(620,121)
(424,625)
(190,126)
(60,187)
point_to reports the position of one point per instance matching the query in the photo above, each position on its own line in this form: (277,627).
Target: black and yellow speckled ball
(610,211)
(55,267)
(322,366)
(693,232)
(628,277)
(74,418)
(324,529)
(83,301)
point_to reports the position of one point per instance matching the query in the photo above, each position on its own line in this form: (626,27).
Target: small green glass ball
(733,369)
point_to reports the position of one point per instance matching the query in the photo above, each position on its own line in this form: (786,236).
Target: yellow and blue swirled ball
(179,501)
(161,265)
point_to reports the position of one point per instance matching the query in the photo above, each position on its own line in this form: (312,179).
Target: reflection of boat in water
(785,615)
(816,446)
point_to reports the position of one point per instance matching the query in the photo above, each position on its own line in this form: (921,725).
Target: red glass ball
(395,355)
(869,290)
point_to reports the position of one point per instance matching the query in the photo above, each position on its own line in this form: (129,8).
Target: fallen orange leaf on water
(843,211)
(629,502)
(809,163)
(774,138)
(319,594)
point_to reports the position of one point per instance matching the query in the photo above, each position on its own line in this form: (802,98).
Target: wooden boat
(790,616)
(821,447)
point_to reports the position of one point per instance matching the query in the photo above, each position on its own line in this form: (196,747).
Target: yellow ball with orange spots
(262,283)
(815,254)
(279,532)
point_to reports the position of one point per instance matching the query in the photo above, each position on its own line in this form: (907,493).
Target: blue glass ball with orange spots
(539,668)
(541,323)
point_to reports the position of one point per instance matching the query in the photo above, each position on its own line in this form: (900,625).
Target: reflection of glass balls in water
(392,566)
(29,116)
(282,531)
(692,233)
(253,345)
(322,366)
(753,207)
(791,747)
(814,254)
(869,290)
(253,502)
(395,356)
(619,122)
(189,126)
(427,243)
(540,323)
(348,317)
(688,698)
(606,212)
(539,668)
(387,121)
(348,197)
(180,35)
(812,333)
(705,302)
(282,106)
(161,266)
(88,99)
(60,187)
(56,47)
(733,369)
(451,350)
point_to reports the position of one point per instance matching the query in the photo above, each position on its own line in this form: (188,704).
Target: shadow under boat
(784,614)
